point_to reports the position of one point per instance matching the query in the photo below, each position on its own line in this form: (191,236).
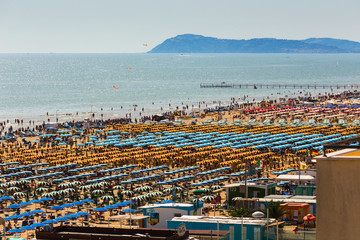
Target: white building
(159,214)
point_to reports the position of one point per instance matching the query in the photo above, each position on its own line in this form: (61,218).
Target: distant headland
(190,43)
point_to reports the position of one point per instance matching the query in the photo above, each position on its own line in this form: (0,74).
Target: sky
(119,26)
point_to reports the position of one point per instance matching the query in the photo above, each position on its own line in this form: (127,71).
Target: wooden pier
(294,86)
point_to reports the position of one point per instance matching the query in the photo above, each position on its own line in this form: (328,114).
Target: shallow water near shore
(62,85)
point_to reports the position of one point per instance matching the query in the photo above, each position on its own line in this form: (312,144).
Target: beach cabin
(159,214)
(255,190)
(310,200)
(295,212)
(239,228)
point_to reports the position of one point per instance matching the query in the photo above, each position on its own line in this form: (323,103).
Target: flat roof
(250,184)
(347,153)
(170,205)
(295,177)
(224,220)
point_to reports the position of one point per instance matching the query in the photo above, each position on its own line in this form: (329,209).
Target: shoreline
(139,114)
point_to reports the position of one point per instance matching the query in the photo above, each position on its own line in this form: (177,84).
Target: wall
(165,214)
(250,229)
(338,198)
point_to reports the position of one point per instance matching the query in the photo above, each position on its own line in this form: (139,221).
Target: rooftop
(224,220)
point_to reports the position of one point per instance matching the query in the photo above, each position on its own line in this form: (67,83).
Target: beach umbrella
(57,208)
(26,228)
(208,198)
(38,225)
(87,200)
(118,187)
(26,214)
(14,206)
(6,198)
(197,200)
(62,219)
(215,187)
(15,230)
(127,192)
(25,204)
(36,201)
(100,209)
(98,191)
(68,205)
(129,210)
(41,189)
(46,195)
(37,211)
(78,203)
(107,198)
(13,189)
(42,183)
(46,199)
(15,217)
(50,221)
(19,194)
(71,216)
(83,214)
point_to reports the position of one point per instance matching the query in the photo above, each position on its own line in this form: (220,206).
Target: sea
(44,87)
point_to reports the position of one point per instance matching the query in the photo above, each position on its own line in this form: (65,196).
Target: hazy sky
(30,26)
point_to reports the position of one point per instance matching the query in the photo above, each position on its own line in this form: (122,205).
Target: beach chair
(253,121)
(356,122)
(342,123)
(282,122)
(311,122)
(267,122)
(237,122)
(326,122)
(296,122)
(222,122)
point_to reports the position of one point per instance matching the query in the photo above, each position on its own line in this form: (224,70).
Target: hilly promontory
(190,43)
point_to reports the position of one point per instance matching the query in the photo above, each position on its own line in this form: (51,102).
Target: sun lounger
(296,122)
(326,122)
(282,122)
(342,123)
(267,122)
(311,122)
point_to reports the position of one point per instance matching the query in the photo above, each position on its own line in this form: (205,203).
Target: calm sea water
(34,84)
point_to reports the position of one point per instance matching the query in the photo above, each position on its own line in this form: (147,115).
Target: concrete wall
(338,197)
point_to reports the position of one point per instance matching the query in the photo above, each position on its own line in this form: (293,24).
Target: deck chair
(267,122)
(311,122)
(253,121)
(281,122)
(296,122)
(342,123)
(356,122)
(326,122)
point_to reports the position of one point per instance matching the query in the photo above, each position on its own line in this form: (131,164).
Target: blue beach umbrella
(57,208)
(14,206)
(25,203)
(83,214)
(15,230)
(62,219)
(38,225)
(46,199)
(36,201)
(129,210)
(25,214)
(37,211)
(50,221)
(100,209)
(6,198)
(26,228)
(87,200)
(16,217)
